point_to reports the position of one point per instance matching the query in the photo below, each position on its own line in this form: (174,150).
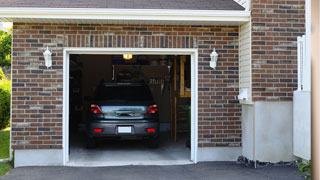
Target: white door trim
(145,51)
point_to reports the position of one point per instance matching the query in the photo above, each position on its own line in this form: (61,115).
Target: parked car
(122,110)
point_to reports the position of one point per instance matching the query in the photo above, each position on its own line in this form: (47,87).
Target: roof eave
(103,15)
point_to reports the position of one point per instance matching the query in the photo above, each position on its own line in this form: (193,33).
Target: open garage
(166,77)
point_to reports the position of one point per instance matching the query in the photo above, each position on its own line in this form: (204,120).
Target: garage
(122,141)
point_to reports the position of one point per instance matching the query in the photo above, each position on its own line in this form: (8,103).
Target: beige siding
(245,60)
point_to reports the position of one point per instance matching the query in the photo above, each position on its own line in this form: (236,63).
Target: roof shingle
(127,4)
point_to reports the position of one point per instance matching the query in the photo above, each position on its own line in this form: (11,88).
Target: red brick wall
(275,27)
(37,91)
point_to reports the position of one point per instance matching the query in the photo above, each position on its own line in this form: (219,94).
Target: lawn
(4,151)
(4,168)
(4,143)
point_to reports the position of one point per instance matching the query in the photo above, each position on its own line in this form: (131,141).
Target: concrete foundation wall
(248,131)
(302,124)
(268,131)
(219,153)
(38,157)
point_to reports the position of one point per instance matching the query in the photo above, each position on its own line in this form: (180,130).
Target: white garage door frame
(135,51)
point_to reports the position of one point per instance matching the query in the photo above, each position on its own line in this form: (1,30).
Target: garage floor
(119,153)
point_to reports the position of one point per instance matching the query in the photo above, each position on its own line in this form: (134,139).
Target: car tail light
(152,109)
(150,130)
(95,109)
(97,130)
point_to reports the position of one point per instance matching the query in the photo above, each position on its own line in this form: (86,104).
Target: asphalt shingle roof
(127,4)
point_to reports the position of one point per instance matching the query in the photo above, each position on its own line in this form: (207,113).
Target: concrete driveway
(212,170)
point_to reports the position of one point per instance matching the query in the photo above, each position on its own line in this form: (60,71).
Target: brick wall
(37,92)
(275,27)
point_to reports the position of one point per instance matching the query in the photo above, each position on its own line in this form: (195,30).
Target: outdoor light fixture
(127,56)
(214,58)
(47,57)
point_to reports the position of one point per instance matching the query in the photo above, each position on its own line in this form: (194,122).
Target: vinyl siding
(245,60)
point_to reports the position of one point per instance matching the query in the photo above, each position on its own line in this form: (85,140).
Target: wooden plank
(175,99)
(175,74)
(182,65)
(171,113)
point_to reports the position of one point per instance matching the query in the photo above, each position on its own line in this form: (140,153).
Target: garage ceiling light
(127,56)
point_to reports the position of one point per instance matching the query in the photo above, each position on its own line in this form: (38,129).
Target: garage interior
(169,79)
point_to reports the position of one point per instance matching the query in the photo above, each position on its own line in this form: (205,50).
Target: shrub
(304,169)
(5,48)
(5,92)
(2,76)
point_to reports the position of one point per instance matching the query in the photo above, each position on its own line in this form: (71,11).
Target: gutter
(12,14)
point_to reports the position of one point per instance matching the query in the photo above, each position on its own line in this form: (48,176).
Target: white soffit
(123,16)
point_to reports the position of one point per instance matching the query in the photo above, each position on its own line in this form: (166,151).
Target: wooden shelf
(179,93)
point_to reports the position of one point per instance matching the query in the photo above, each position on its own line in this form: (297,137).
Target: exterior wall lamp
(214,58)
(47,57)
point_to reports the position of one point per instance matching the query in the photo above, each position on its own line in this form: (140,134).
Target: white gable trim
(244,3)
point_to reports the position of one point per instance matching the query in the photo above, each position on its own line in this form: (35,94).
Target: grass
(4,168)
(4,143)
(4,151)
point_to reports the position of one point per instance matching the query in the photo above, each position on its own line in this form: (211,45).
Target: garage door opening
(169,80)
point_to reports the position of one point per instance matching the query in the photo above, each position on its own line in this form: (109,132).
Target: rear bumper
(111,129)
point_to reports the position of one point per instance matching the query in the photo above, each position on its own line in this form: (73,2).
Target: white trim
(307,68)
(244,3)
(11,150)
(152,51)
(38,14)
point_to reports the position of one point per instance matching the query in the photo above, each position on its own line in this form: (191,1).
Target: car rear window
(123,93)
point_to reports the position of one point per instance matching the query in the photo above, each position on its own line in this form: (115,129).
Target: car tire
(91,143)
(153,143)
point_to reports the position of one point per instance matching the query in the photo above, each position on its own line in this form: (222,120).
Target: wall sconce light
(127,57)
(214,58)
(47,57)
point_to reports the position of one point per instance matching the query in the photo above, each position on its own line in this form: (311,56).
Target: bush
(2,76)
(5,48)
(5,92)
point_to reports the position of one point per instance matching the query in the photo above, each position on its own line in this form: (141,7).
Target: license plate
(124,129)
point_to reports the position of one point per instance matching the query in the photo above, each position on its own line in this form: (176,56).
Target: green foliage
(2,76)
(5,93)
(305,169)
(4,144)
(5,48)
